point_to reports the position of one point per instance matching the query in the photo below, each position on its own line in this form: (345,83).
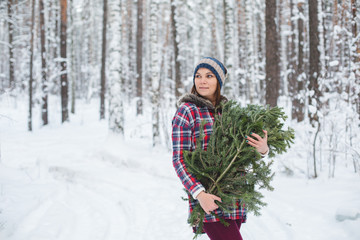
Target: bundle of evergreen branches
(231,168)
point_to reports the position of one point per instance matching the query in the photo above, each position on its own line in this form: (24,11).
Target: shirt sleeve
(182,127)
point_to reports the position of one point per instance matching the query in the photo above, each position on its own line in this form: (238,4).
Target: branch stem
(228,167)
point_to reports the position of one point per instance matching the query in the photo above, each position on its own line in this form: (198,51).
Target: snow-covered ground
(78,181)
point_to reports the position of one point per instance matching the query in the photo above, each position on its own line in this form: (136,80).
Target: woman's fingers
(266,135)
(252,142)
(259,139)
(257,136)
(207,202)
(216,198)
(259,143)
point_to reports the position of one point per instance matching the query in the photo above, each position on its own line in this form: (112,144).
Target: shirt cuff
(197,192)
(266,154)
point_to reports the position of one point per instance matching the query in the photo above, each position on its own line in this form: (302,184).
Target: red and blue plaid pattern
(185,129)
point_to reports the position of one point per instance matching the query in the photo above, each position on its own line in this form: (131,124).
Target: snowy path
(78,182)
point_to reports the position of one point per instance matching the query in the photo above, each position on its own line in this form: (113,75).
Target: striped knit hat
(214,66)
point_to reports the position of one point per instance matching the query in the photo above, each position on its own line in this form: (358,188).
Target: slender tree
(52,38)
(11,44)
(324,6)
(116,94)
(73,58)
(214,30)
(131,89)
(44,81)
(261,55)
(139,58)
(63,76)
(314,61)
(231,86)
(125,33)
(314,72)
(292,78)
(282,23)
(300,69)
(155,71)
(356,55)
(272,55)
(103,63)
(31,65)
(241,30)
(178,83)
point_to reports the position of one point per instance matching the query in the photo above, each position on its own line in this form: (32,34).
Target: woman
(195,108)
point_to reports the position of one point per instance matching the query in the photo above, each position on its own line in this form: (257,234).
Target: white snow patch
(78,181)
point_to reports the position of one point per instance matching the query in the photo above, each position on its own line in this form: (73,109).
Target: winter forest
(95,83)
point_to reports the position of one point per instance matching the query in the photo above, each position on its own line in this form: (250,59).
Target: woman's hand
(207,201)
(260,144)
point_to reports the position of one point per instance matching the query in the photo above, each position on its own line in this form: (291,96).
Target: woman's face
(206,83)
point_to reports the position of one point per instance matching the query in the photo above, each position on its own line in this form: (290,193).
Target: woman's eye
(197,76)
(209,76)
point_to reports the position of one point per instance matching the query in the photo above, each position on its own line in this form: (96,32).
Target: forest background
(137,59)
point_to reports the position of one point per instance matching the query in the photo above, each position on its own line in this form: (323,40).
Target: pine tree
(232,169)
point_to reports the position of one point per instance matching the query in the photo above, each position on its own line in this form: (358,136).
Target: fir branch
(230,168)
(227,168)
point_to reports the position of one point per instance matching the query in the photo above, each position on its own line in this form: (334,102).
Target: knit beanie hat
(214,66)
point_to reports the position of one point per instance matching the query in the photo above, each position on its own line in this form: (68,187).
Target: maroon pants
(217,230)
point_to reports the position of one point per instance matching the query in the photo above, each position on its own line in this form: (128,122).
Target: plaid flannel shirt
(185,129)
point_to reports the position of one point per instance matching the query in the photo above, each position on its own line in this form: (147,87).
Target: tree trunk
(314,61)
(300,101)
(103,63)
(139,56)
(63,76)
(44,82)
(335,22)
(260,53)
(354,27)
(292,78)
(31,65)
(241,36)
(11,45)
(73,65)
(272,55)
(132,51)
(356,55)
(214,42)
(314,70)
(116,73)
(178,83)
(155,72)
(283,46)
(325,42)
(230,89)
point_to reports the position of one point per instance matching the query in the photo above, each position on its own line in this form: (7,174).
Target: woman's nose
(203,80)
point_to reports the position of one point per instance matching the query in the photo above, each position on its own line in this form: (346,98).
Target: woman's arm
(182,127)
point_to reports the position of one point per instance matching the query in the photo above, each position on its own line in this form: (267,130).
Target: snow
(79,181)
(334,63)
